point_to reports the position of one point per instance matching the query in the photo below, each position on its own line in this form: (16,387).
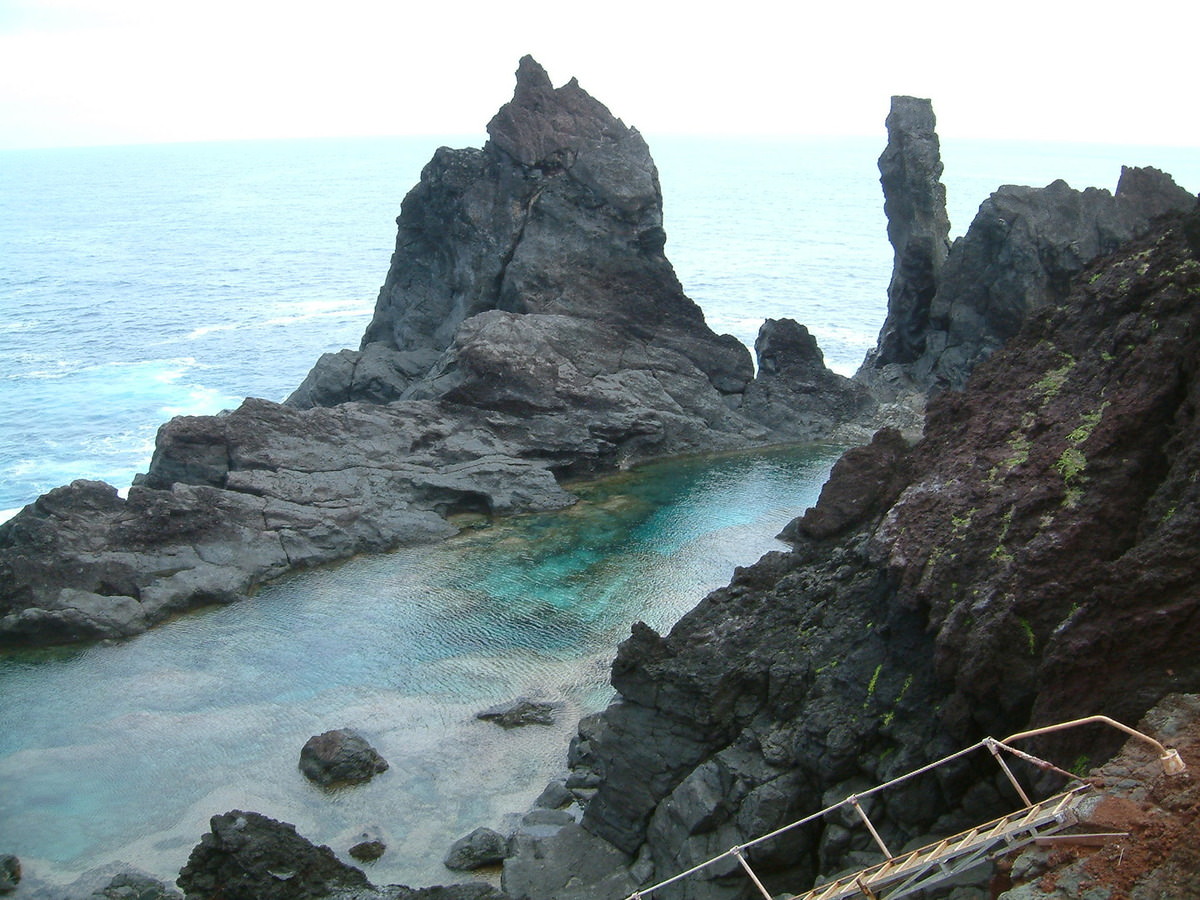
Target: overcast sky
(80,72)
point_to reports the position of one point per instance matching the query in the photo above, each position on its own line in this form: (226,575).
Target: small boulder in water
(520,712)
(340,757)
(369,846)
(10,873)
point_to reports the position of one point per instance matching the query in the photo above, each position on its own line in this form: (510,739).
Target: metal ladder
(920,869)
(902,874)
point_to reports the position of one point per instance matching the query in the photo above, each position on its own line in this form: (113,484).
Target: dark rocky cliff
(1031,559)
(530,329)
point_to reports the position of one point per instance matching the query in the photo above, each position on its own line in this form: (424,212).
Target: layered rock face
(1030,560)
(949,310)
(530,329)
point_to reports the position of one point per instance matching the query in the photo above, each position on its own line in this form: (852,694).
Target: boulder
(554,796)
(247,856)
(10,873)
(482,847)
(340,757)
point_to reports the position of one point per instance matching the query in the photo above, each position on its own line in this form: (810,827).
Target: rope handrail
(1170,759)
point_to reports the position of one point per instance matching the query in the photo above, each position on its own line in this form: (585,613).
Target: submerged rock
(340,757)
(520,712)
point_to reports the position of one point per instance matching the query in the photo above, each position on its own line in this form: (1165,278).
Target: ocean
(144,282)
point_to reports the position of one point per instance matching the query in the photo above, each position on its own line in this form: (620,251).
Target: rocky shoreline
(984,569)
(530,330)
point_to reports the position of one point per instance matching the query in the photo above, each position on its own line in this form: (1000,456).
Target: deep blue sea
(139,283)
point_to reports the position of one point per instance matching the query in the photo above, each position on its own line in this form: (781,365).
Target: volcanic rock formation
(530,328)
(947,311)
(1031,560)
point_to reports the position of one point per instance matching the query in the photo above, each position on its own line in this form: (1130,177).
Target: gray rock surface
(340,757)
(482,847)
(530,329)
(114,881)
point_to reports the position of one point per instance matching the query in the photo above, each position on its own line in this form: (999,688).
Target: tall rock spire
(914,200)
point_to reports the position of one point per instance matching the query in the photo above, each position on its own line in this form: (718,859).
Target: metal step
(920,869)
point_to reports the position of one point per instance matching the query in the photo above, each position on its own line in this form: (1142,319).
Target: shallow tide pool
(123,751)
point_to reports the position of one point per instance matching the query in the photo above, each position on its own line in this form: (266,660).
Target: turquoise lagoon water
(123,751)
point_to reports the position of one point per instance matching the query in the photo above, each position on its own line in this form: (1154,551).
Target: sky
(92,72)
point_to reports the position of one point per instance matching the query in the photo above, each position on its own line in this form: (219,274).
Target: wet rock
(555,796)
(520,712)
(369,845)
(10,873)
(482,847)
(340,757)
(247,856)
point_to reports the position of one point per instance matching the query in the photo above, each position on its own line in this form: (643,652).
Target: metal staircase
(900,875)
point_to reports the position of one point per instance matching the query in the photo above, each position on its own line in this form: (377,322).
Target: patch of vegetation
(1081,766)
(1048,386)
(1030,638)
(1001,553)
(963,522)
(1088,424)
(873,684)
(1071,464)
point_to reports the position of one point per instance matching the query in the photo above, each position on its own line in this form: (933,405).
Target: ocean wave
(201,401)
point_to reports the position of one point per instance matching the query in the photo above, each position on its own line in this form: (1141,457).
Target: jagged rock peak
(543,125)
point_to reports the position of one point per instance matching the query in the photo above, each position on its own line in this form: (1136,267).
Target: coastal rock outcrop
(530,329)
(1029,561)
(247,856)
(950,309)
